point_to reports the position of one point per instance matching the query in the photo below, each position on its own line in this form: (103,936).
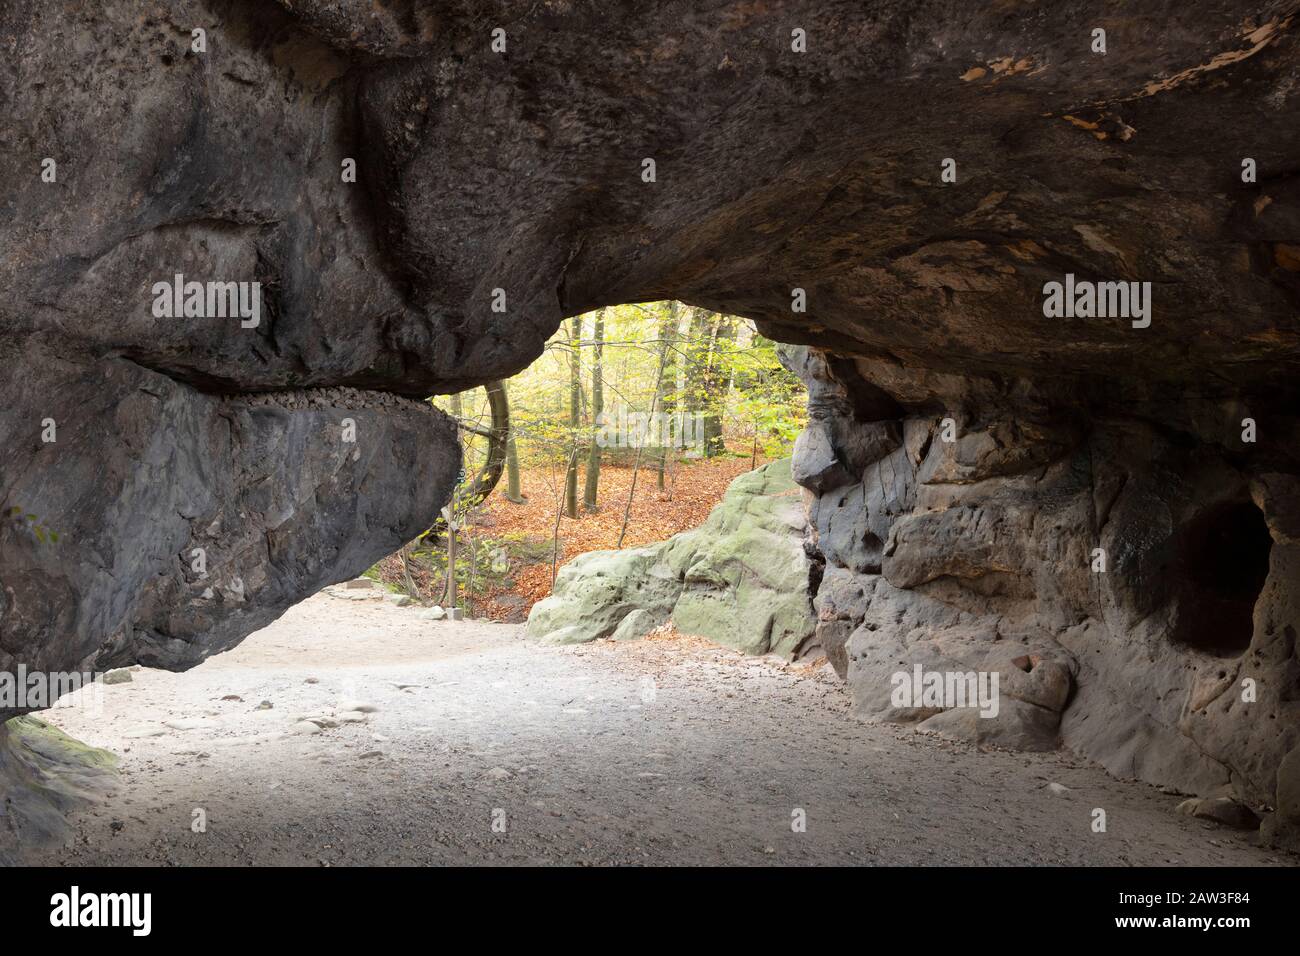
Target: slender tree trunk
(513,492)
(668,384)
(411,589)
(496,436)
(555,532)
(636,465)
(469,578)
(697,360)
(575,418)
(449,590)
(591,487)
(698,349)
(722,334)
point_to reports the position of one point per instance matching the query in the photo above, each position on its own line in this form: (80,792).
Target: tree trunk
(699,384)
(411,589)
(575,418)
(697,361)
(449,590)
(722,334)
(513,492)
(555,532)
(498,440)
(668,383)
(636,464)
(592,486)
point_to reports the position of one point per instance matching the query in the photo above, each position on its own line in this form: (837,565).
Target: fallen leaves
(691,489)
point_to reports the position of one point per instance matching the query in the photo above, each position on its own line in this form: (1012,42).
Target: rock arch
(479,170)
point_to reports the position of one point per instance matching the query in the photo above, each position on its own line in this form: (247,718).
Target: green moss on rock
(740,579)
(44,776)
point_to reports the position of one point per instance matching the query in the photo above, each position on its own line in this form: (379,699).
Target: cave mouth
(1221,563)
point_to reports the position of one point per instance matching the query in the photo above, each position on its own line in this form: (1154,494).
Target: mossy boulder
(595,591)
(740,579)
(44,776)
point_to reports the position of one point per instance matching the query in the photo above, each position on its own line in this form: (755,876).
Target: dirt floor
(438,735)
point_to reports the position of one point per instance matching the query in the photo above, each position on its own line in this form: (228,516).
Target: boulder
(638,623)
(44,775)
(1282,827)
(740,579)
(1222,810)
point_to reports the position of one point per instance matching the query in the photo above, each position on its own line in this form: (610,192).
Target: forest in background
(625,431)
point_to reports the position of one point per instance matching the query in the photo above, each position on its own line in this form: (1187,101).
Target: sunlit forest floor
(512,548)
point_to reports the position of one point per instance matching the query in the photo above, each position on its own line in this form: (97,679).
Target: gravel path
(656,751)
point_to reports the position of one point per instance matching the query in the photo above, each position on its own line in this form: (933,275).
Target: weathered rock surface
(45,774)
(741,578)
(776,171)
(1173,662)
(164,524)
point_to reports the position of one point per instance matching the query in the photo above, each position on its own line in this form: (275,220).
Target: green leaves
(30,523)
(760,403)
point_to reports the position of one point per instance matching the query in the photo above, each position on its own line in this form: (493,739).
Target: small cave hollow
(1220,564)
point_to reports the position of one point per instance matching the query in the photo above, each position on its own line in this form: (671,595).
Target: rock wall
(741,578)
(173,479)
(1134,583)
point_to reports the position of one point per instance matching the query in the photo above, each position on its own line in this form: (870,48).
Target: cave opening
(1220,564)
(628,429)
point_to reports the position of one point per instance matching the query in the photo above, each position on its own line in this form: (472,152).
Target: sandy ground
(656,751)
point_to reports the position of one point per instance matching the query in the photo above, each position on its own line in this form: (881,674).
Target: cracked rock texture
(164,524)
(521,171)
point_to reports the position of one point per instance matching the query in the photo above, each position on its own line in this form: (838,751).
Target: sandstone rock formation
(741,578)
(44,774)
(978,554)
(516,178)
